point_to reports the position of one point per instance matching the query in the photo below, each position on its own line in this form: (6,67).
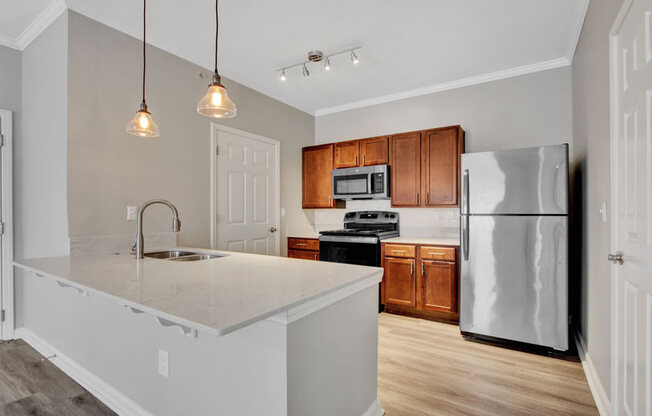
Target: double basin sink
(181,255)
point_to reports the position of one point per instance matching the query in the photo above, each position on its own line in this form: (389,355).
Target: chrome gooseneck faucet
(140,242)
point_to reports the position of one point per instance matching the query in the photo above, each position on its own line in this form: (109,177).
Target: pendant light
(216,103)
(142,124)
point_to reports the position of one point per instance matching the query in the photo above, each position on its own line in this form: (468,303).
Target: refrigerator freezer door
(521,181)
(514,282)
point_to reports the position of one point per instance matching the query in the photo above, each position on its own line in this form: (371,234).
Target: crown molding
(451,85)
(576,30)
(38,25)
(8,42)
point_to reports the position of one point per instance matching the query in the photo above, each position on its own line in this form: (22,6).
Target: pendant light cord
(144,43)
(217,27)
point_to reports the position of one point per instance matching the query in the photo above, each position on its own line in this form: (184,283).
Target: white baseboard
(108,395)
(600,395)
(374,409)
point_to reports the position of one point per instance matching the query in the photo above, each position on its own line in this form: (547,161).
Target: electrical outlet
(132,211)
(163,363)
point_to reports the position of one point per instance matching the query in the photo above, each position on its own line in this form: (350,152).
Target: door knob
(616,258)
(272,230)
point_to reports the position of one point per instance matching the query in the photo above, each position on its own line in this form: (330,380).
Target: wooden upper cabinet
(405,171)
(441,149)
(438,286)
(400,282)
(374,151)
(316,173)
(347,154)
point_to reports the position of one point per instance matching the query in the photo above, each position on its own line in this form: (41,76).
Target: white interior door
(247,170)
(631,65)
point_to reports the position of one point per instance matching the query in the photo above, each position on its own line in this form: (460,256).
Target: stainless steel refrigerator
(514,248)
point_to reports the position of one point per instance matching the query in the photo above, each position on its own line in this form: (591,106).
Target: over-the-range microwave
(366,182)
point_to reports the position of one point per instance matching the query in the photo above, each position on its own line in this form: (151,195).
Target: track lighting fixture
(318,56)
(354,57)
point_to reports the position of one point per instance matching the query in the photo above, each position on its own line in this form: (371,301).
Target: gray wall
(530,110)
(108,169)
(41,221)
(9,79)
(591,180)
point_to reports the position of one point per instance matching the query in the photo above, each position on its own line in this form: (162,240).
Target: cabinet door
(406,169)
(317,183)
(347,154)
(303,254)
(441,153)
(399,282)
(438,286)
(374,151)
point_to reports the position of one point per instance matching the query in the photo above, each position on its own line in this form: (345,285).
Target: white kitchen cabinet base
(324,363)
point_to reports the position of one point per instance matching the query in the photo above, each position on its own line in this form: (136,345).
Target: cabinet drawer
(303,244)
(303,254)
(400,250)
(437,253)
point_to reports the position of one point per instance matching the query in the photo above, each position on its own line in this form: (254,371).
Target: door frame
(215,129)
(614,169)
(7,272)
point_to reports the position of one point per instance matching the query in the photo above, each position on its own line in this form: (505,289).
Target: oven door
(349,186)
(352,250)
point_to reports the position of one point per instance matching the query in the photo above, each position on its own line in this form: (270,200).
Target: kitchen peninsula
(239,334)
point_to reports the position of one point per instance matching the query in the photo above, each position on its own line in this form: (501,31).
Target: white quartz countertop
(424,241)
(303,234)
(217,296)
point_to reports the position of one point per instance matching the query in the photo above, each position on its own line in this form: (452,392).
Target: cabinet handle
(399,251)
(423,268)
(418,198)
(315,256)
(356,160)
(427,197)
(363,159)
(301,244)
(411,268)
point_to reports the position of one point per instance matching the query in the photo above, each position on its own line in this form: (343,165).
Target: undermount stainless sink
(181,255)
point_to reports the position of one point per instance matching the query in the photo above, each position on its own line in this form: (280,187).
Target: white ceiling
(409,48)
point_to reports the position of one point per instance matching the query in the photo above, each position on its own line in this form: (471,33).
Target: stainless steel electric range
(359,241)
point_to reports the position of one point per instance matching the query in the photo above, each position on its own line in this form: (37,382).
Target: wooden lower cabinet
(438,286)
(400,282)
(303,248)
(415,284)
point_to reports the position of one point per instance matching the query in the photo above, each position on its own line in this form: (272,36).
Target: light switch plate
(132,211)
(163,363)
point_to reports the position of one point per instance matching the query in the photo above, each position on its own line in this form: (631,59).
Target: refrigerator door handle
(465,237)
(465,192)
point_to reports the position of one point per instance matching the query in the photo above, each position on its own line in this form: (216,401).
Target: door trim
(215,128)
(613,109)
(7,273)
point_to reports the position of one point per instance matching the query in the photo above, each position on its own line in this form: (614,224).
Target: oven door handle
(348,239)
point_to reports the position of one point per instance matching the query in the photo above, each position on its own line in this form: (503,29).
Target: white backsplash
(413,222)
(105,244)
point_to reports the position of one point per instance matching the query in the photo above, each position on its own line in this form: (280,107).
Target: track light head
(283,78)
(354,57)
(327,64)
(306,73)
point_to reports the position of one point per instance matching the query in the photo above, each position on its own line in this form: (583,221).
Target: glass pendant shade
(216,103)
(142,125)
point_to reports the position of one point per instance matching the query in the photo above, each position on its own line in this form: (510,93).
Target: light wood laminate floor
(427,369)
